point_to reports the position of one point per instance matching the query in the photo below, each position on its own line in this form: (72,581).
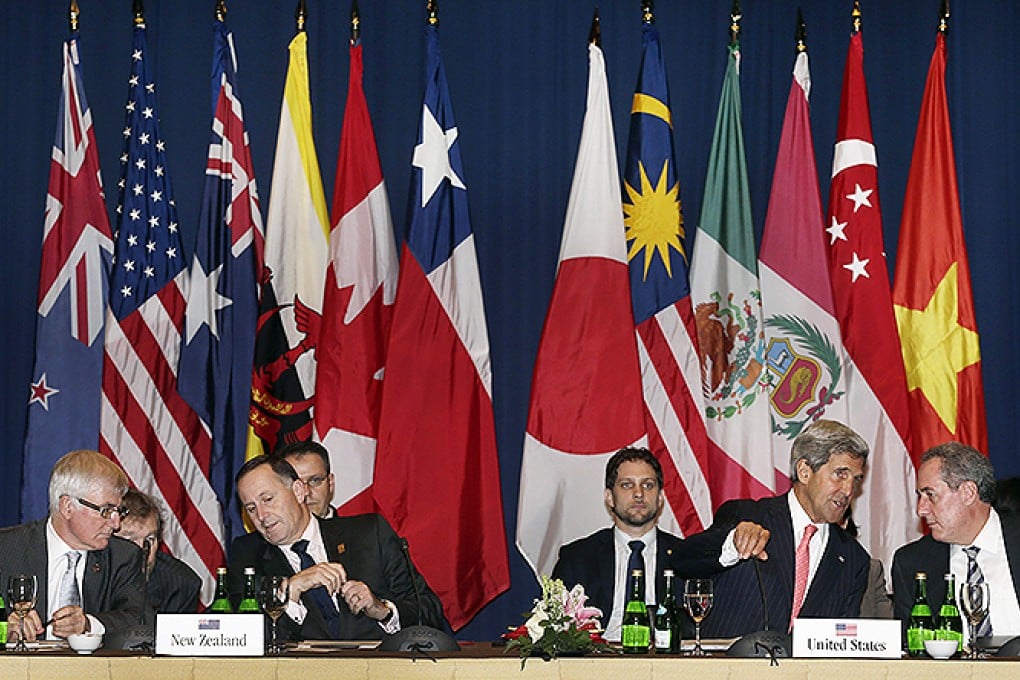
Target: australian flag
(216,360)
(63,411)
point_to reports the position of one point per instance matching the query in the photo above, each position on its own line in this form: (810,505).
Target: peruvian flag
(586,397)
(876,392)
(804,355)
(932,294)
(357,305)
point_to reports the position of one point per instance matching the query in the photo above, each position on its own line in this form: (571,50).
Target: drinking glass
(698,603)
(21,592)
(974,598)
(273,598)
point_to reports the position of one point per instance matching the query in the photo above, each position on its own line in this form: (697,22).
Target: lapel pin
(842,559)
(341,548)
(95,567)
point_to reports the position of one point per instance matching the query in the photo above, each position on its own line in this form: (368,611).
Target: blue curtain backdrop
(517,72)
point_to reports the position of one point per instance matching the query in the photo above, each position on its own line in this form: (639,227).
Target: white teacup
(940,649)
(85,643)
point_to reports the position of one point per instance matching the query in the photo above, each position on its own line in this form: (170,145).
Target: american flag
(76,247)
(146,426)
(846,630)
(216,360)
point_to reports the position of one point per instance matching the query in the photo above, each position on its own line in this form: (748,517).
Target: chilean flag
(437,474)
(586,396)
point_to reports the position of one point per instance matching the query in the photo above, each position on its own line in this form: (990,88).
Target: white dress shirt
(818,542)
(614,627)
(1004,608)
(56,559)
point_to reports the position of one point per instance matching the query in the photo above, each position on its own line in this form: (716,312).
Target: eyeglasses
(105,511)
(316,481)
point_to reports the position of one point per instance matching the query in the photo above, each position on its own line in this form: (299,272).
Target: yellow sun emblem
(653,221)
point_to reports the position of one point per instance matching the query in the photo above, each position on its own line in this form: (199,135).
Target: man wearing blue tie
(955,490)
(603,561)
(349,578)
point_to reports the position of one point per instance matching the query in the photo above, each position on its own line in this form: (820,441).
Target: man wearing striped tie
(955,490)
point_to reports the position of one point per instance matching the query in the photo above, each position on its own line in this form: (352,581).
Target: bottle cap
(249,571)
(637,572)
(667,572)
(921,575)
(221,570)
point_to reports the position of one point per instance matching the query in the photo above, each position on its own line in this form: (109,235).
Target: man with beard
(815,569)
(634,498)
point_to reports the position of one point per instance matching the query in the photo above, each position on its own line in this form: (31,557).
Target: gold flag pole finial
(139,11)
(944,17)
(595,35)
(855,16)
(801,36)
(220,11)
(647,11)
(355,23)
(72,15)
(301,15)
(432,11)
(735,17)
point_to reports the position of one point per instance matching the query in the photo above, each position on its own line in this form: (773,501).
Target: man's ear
(300,490)
(969,492)
(64,506)
(609,499)
(803,471)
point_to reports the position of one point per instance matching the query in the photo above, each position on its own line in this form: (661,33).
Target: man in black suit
(349,577)
(311,462)
(88,579)
(171,586)
(633,496)
(955,490)
(826,469)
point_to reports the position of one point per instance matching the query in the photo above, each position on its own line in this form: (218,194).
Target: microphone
(417,638)
(762,643)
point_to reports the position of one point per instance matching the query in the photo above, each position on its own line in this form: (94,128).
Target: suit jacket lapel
(782,546)
(97,570)
(38,564)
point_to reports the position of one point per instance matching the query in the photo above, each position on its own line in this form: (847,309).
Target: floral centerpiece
(560,623)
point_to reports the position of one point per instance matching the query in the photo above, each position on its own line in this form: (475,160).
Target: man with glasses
(311,462)
(88,579)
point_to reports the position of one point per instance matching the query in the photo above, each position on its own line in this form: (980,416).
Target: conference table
(479,661)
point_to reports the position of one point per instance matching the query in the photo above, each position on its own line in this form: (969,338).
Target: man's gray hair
(816,444)
(962,463)
(82,472)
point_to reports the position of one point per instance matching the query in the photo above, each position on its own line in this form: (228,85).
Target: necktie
(319,595)
(69,595)
(975,575)
(636,561)
(802,568)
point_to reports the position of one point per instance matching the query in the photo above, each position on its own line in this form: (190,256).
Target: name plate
(850,638)
(210,634)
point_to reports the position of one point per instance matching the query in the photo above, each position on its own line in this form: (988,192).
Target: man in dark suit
(633,496)
(311,462)
(349,577)
(88,579)
(171,586)
(969,538)
(826,469)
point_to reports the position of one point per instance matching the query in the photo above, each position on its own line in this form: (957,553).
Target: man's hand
(750,539)
(33,626)
(329,575)
(69,621)
(359,598)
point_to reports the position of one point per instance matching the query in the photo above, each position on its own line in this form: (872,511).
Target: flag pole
(220,11)
(139,11)
(647,11)
(855,17)
(944,17)
(432,8)
(355,23)
(73,13)
(595,35)
(735,17)
(801,35)
(301,15)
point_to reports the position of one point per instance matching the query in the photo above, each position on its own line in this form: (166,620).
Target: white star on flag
(860,197)
(858,268)
(835,231)
(433,156)
(202,308)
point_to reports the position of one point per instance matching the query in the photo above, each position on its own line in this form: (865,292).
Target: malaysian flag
(661,299)
(63,412)
(146,425)
(222,307)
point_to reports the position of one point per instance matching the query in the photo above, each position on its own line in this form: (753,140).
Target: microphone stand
(765,642)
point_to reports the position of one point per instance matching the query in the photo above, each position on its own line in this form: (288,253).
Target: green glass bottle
(667,619)
(3,622)
(637,630)
(921,626)
(250,602)
(221,601)
(950,622)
